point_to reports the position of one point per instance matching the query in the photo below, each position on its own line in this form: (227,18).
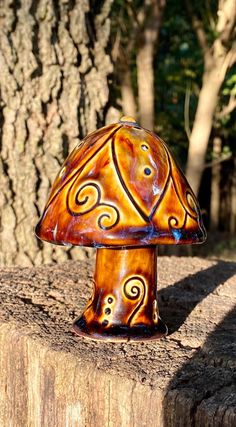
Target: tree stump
(52,378)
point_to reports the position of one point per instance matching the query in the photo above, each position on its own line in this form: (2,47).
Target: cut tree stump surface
(50,377)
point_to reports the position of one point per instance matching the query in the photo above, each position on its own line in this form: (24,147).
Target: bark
(53,91)
(217,59)
(151,19)
(215,186)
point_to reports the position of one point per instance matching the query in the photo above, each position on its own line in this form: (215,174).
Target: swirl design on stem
(134,288)
(88,197)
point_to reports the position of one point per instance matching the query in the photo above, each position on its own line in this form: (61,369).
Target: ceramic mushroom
(121,192)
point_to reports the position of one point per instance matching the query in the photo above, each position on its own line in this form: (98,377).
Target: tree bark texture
(52,378)
(53,91)
(218,58)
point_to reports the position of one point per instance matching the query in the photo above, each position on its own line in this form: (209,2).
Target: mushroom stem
(124,303)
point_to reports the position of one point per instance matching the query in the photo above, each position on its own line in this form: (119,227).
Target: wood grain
(49,377)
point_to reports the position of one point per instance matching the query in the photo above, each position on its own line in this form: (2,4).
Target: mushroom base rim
(119,333)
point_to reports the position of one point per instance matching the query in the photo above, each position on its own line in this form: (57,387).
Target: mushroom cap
(121,187)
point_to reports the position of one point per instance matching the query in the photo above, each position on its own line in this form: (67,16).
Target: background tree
(179,68)
(53,90)
(137,27)
(219,55)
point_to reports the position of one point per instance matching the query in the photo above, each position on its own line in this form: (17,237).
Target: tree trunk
(215,186)
(53,91)
(202,127)
(127,93)
(145,57)
(145,74)
(218,58)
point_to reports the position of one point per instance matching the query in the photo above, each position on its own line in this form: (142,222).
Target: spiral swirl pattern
(135,289)
(87,198)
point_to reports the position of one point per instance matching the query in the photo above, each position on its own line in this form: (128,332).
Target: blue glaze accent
(177,234)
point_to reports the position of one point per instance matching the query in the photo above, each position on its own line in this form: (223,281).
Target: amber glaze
(121,190)
(121,187)
(123,306)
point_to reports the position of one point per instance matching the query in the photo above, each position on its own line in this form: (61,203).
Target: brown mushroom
(121,191)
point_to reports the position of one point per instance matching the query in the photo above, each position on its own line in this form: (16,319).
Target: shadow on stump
(203,392)
(178,300)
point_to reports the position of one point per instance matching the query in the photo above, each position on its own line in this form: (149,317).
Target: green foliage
(178,71)
(230,84)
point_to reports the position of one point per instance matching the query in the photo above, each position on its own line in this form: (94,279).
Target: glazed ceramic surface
(121,191)
(124,302)
(121,187)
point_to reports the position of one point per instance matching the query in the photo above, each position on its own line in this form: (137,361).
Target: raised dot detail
(144,147)
(147,171)
(110,300)
(105,323)
(107,311)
